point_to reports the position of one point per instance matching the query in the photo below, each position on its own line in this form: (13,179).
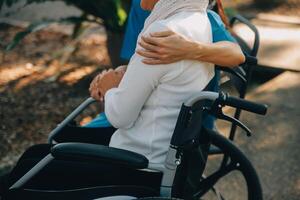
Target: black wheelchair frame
(240,77)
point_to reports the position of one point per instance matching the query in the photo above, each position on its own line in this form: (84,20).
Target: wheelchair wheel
(159,198)
(237,179)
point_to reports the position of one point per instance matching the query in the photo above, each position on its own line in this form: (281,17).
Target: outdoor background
(48,74)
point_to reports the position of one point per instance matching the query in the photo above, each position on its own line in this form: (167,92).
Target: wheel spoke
(217,193)
(207,183)
(233,160)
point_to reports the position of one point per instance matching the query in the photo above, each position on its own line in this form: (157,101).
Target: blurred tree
(111,13)
(268,3)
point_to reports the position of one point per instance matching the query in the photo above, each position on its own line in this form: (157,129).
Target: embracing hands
(105,81)
(164,48)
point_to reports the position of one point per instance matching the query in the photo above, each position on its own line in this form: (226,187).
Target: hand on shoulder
(165,47)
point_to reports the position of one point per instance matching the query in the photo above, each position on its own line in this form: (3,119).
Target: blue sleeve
(135,24)
(219,31)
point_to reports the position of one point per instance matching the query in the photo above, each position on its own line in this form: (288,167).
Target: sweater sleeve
(123,104)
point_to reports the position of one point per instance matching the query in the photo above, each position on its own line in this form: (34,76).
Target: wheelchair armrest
(98,153)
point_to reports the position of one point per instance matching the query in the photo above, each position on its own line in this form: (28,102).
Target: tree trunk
(114,45)
(268,3)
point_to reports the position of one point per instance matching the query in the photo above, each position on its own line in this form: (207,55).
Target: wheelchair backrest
(250,50)
(246,69)
(192,144)
(240,76)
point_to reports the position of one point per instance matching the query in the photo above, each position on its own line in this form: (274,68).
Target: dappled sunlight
(279,106)
(35,77)
(28,74)
(285,81)
(274,147)
(279,45)
(74,76)
(15,72)
(51,71)
(41,58)
(94,39)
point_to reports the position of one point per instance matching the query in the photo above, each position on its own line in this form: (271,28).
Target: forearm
(227,54)
(123,104)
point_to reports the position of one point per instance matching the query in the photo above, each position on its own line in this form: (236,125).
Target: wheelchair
(182,172)
(183,175)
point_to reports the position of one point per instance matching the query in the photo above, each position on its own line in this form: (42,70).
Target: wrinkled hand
(105,81)
(164,48)
(121,68)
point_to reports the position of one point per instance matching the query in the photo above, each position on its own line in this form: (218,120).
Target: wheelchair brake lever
(237,123)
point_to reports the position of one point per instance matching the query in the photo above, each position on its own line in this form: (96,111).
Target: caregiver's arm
(167,47)
(222,53)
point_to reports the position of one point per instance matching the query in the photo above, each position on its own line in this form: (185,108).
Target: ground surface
(37,91)
(279,29)
(280,42)
(282,7)
(274,147)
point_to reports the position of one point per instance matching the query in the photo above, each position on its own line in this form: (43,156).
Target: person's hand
(165,47)
(94,89)
(105,81)
(121,68)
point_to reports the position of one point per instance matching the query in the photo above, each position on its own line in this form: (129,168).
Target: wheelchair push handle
(243,104)
(245,21)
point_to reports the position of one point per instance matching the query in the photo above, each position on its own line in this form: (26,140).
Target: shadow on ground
(274,146)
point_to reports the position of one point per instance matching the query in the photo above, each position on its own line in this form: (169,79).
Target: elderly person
(167,47)
(145,105)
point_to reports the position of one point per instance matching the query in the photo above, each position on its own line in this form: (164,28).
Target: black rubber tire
(246,168)
(158,198)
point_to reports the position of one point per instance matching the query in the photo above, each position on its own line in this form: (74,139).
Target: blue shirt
(135,24)
(136,20)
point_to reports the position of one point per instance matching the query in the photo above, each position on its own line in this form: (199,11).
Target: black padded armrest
(98,153)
